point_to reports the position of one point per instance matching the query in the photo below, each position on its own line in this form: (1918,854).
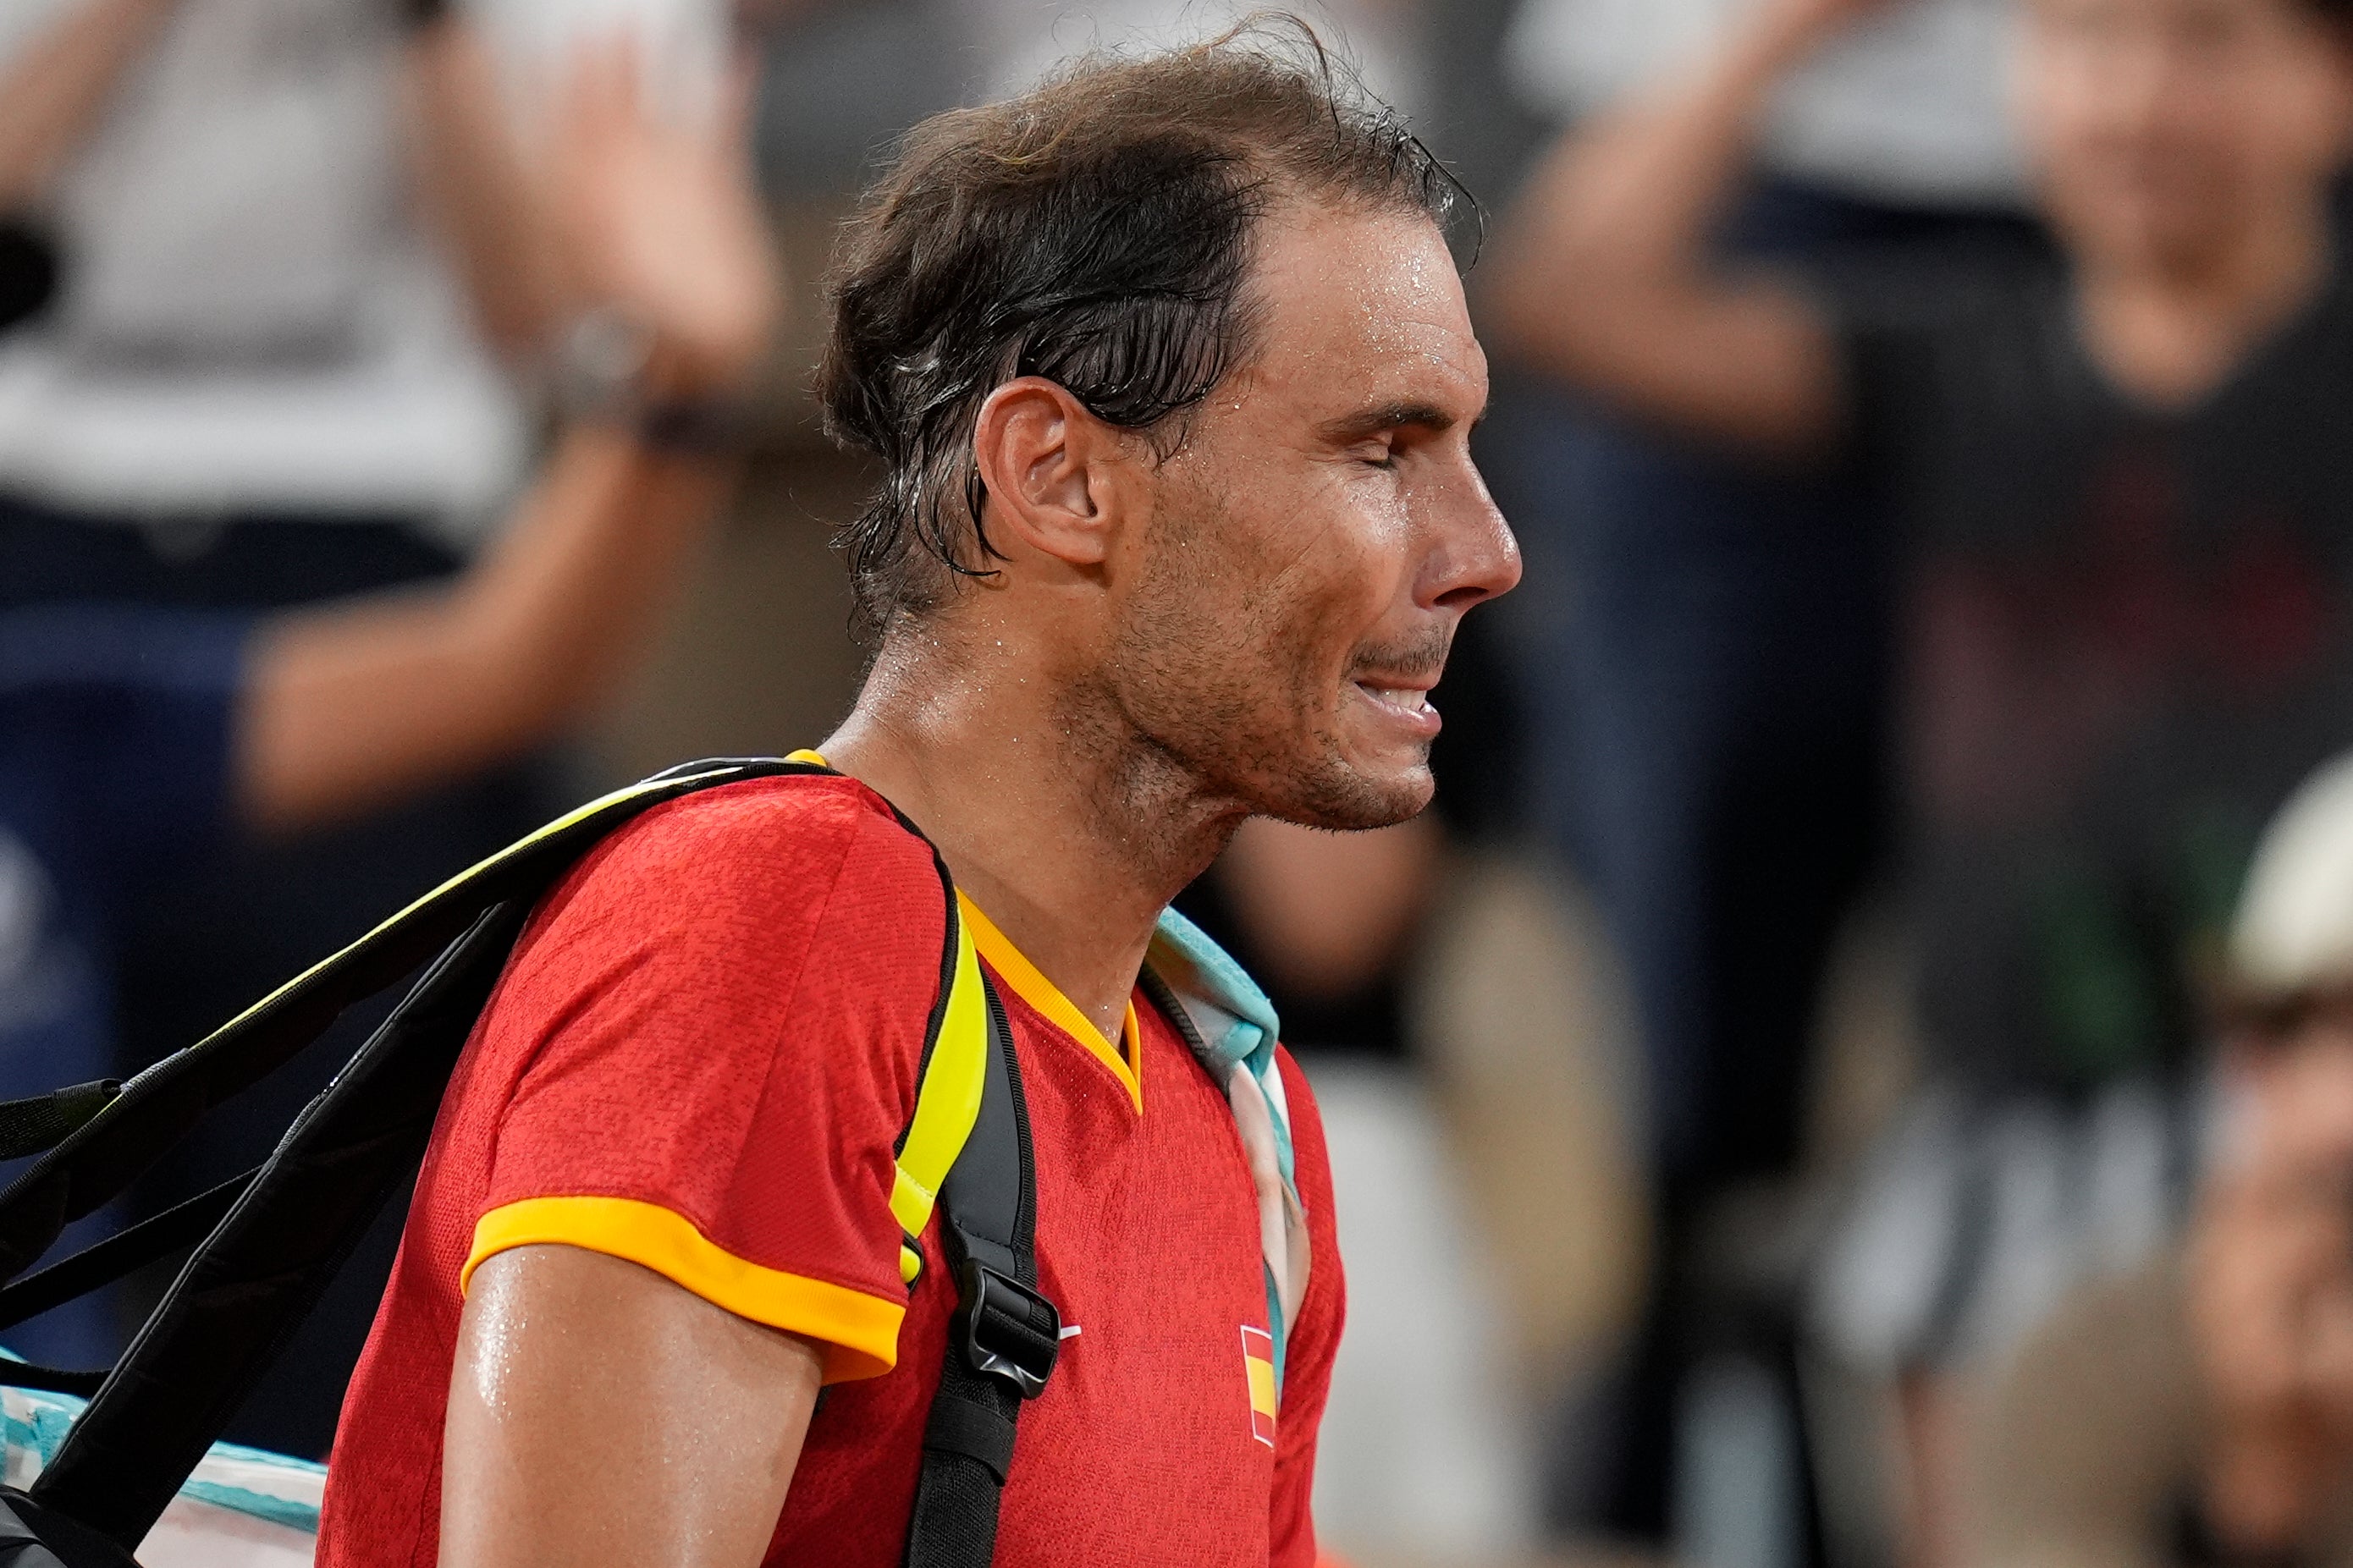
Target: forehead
(1358,307)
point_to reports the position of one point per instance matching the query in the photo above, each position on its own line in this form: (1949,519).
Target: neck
(1071,830)
(2168,331)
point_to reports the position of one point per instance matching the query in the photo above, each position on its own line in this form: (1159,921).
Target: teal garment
(1239,1031)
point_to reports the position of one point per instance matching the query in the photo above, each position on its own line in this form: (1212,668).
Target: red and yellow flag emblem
(1257,1364)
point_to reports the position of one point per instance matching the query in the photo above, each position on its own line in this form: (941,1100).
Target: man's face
(2160,130)
(1312,544)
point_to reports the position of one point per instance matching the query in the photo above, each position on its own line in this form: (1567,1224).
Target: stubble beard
(1229,711)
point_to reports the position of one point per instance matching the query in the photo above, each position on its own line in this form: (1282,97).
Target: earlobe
(1041,454)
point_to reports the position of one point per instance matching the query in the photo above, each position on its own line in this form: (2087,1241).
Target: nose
(1474,556)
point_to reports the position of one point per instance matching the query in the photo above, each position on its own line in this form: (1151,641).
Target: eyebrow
(1395,415)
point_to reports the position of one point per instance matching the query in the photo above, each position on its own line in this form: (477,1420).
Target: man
(1171,379)
(2121,490)
(130,738)
(2199,1408)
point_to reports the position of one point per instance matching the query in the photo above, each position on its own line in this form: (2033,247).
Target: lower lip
(1421,723)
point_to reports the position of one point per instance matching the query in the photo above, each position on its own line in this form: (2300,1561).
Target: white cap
(2295,928)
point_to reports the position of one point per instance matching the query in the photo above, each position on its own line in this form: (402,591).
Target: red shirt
(700,1058)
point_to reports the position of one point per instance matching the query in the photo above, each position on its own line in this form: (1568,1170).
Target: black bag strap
(102,1263)
(39,1124)
(285,1236)
(288,1227)
(1004,1337)
(156,1107)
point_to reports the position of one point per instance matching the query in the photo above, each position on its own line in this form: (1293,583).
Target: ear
(1049,466)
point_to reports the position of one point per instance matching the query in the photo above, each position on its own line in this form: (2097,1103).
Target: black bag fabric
(273,1239)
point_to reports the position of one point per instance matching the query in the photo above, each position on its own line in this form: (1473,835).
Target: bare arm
(633,1422)
(55,87)
(1602,275)
(347,705)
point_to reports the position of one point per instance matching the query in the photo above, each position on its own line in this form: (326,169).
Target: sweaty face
(2161,128)
(1314,541)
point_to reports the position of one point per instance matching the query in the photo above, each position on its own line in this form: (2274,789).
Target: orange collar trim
(1126,1059)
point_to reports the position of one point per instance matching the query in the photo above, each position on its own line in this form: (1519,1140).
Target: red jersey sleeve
(1312,1339)
(712,1031)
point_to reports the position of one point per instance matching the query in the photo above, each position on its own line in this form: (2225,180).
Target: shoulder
(745,899)
(755,849)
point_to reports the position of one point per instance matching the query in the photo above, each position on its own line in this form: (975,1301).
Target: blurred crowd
(1856,1070)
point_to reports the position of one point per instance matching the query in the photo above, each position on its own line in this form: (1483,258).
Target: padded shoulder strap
(1004,1338)
(955,1068)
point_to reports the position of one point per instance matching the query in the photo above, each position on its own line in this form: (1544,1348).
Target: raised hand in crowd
(674,291)
(1602,278)
(653,215)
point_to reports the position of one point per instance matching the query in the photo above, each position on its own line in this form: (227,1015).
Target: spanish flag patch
(1257,1364)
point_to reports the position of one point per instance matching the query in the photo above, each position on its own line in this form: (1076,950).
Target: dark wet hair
(1095,231)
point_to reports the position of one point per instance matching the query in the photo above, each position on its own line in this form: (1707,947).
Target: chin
(1349,797)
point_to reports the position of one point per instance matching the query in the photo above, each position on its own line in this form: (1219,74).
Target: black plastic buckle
(997,1322)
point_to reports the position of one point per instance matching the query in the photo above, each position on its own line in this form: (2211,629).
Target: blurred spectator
(1708,736)
(133,737)
(300,276)
(2115,473)
(255,319)
(2199,1408)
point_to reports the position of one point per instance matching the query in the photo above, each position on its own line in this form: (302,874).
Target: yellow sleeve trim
(1029,983)
(861,1330)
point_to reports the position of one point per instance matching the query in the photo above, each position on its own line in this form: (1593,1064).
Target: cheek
(1247,621)
(1337,593)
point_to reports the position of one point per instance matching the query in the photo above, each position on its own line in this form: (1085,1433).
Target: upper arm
(600,1414)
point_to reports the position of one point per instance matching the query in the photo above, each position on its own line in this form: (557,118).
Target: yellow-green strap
(948,1101)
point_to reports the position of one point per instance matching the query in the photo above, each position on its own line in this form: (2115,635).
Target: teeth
(1404,699)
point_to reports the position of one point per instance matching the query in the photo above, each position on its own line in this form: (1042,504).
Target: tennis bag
(268,1242)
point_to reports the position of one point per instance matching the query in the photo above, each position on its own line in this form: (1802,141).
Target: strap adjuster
(1007,1329)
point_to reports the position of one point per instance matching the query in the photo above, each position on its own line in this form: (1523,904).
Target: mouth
(1402,700)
